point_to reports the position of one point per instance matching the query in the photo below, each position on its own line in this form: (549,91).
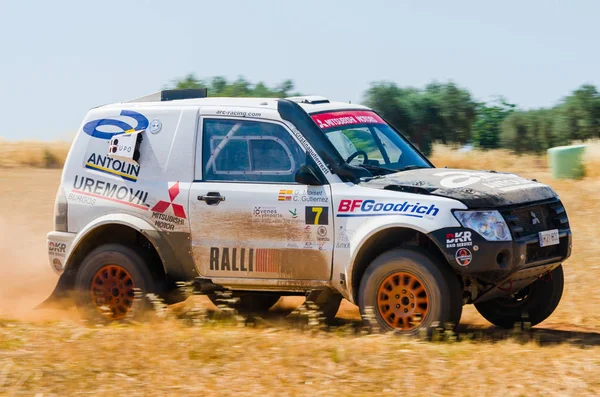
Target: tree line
(447,113)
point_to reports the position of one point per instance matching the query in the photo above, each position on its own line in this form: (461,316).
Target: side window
(249,151)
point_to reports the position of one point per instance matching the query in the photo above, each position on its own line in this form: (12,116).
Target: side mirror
(306,175)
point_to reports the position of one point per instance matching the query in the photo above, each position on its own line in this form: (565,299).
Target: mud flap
(61,297)
(328,302)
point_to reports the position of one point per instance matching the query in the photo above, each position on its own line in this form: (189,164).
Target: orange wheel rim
(403,301)
(112,288)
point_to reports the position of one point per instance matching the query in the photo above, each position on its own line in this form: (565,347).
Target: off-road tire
(247,302)
(532,305)
(415,266)
(103,263)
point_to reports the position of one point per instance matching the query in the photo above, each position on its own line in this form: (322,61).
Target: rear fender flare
(138,224)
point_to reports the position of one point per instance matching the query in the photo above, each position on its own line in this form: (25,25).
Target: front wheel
(409,291)
(532,304)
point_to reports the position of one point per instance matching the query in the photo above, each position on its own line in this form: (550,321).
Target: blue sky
(60,58)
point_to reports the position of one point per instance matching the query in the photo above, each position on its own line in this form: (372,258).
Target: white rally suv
(273,197)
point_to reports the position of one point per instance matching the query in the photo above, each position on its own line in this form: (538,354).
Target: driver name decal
(349,117)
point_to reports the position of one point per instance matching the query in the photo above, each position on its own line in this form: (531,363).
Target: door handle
(212,198)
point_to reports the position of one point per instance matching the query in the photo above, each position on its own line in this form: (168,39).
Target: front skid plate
(516,282)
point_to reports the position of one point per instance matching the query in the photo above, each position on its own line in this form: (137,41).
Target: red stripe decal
(142,207)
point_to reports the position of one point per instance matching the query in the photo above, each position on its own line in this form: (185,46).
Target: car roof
(259,103)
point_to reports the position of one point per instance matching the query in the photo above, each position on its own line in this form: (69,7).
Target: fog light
(502,258)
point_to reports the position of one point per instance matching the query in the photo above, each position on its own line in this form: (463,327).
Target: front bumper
(59,246)
(501,268)
(494,261)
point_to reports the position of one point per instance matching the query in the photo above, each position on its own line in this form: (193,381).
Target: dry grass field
(53,353)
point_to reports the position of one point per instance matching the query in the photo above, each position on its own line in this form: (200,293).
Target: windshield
(363,138)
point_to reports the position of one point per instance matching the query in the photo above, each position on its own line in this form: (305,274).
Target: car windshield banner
(347,117)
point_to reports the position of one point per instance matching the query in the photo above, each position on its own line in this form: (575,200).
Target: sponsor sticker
(463,257)
(343,118)
(57,249)
(266,212)
(343,238)
(322,231)
(97,189)
(104,128)
(322,238)
(155,126)
(108,165)
(166,221)
(352,208)
(236,113)
(79,198)
(57,265)
(459,239)
(294,213)
(502,182)
(245,260)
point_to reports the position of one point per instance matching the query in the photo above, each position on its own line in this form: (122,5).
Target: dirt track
(64,356)
(26,279)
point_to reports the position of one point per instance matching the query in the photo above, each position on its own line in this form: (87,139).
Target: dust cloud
(26,278)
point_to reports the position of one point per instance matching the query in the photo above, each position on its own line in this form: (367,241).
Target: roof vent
(312,99)
(172,95)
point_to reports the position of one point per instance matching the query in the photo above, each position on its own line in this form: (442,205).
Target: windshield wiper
(411,167)
(377,168)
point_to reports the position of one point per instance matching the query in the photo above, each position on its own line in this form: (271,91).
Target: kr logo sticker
(162,206)
(92,127)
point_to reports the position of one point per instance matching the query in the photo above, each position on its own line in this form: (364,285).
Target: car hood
(476,189)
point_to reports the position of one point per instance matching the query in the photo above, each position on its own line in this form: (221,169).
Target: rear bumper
(59,246)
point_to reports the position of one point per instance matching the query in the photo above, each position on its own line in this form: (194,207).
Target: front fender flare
(359,242)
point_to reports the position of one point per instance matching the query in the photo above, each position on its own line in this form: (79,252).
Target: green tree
(220,86)
(189,81)
(441,112)
(456,112)
(579,115)
(406,109)
(487,125)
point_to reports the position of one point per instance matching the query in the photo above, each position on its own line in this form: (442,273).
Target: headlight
(489,224)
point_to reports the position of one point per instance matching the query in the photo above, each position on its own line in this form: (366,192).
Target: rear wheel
(409,291)
(532,304)
(106,284)
(248,302)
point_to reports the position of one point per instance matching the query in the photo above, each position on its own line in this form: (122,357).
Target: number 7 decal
(317,215)
(317,210)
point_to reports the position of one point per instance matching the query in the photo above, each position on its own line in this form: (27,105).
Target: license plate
(549,237)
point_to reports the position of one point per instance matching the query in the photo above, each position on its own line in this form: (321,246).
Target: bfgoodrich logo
(349,208)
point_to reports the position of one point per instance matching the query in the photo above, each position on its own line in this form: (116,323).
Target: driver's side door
(249,218)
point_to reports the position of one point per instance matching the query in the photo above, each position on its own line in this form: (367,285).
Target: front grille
(536,253)
(522,221)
